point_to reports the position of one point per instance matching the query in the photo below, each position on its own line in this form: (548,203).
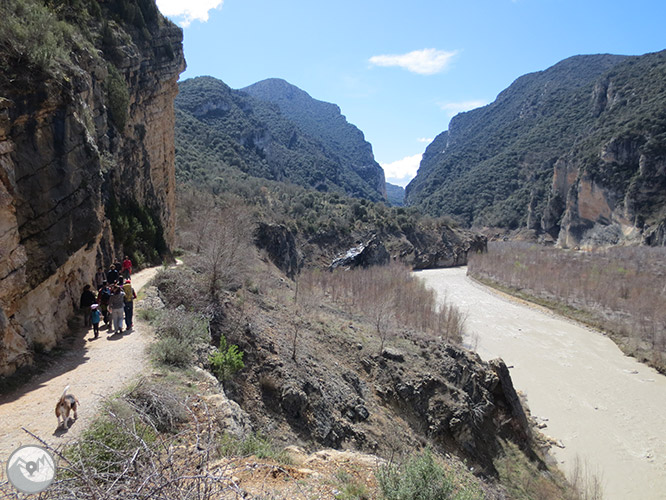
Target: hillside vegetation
(221,132)
(600,119)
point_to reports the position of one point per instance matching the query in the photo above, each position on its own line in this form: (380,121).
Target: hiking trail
(93,369)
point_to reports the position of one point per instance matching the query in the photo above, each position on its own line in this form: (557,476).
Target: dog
(67,403)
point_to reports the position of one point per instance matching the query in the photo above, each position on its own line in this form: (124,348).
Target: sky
(400,70)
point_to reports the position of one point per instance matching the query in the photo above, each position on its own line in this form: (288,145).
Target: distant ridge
(221,131)
(562,152)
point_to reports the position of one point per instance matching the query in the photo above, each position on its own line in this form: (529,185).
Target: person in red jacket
(127,267)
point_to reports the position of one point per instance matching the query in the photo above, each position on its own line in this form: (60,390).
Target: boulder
(371,253)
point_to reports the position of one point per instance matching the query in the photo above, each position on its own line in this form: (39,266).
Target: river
(602,406)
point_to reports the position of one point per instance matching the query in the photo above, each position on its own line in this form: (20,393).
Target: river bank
(605,408)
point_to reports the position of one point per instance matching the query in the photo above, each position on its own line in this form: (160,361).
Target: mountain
(395,194)
(576,152)
(325,122)
(86,156)
(222,132)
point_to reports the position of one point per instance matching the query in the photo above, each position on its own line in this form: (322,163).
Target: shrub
(421,478)
(149,315)
(179,334)
(350,488)
(118,97)
(227,360)
(255,444)
(158,405)
(32,35)
(106,444)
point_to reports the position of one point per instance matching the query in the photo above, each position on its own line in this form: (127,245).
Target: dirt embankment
(93,369)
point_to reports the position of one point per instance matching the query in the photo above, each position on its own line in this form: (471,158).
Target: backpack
(104,296)
(130,295)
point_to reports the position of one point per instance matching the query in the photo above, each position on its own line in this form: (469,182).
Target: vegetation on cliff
(603,115)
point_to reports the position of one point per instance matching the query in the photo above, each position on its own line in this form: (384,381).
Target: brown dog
(67,403)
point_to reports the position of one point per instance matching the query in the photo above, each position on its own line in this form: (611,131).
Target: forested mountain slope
(222,132)
(577,152)
(324,121)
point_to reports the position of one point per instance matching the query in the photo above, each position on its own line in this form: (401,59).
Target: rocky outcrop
(620,202)
(440,247)
(280,245)
(64,157)
(371,253)
(348,397)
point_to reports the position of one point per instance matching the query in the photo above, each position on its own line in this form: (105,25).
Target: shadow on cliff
(70,353)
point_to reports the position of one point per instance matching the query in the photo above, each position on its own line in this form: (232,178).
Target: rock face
(325,121)
(63,159)
(280,244)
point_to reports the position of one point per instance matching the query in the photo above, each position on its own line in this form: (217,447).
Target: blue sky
(400,70)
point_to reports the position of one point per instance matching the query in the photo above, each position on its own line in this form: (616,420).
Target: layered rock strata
(63,159)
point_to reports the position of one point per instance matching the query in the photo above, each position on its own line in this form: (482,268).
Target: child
(96,317)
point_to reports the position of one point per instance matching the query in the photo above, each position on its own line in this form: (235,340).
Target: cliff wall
(77,138)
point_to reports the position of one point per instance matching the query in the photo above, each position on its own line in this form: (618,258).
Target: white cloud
(402,171)
(423,62)
(425,139)
(184,12)
(453,108)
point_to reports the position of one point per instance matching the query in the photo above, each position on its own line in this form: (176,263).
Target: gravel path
(599,404)
(94,369)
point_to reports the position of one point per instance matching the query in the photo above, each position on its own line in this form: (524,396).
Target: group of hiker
(114,300)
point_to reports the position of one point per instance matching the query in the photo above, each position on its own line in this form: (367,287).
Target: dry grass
(389,296)
(620,290)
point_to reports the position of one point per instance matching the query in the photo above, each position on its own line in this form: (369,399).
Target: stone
(370,253)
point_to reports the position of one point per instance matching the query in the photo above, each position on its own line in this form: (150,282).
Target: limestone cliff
(80,136)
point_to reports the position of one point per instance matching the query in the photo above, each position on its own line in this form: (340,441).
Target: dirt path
(93,369)
(602,406)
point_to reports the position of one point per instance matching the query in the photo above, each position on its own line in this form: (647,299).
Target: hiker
(95,316)
(127,268)
(112,275)
(103,297)
(87,299)
(117,306)
(100,277)
(130,295)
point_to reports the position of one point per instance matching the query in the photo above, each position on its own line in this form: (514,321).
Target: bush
(158,405)
(179,334)
(227,360)
(32,35)
(118,97)
(106,444)
(421,478)
(255,444)
(350,488)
